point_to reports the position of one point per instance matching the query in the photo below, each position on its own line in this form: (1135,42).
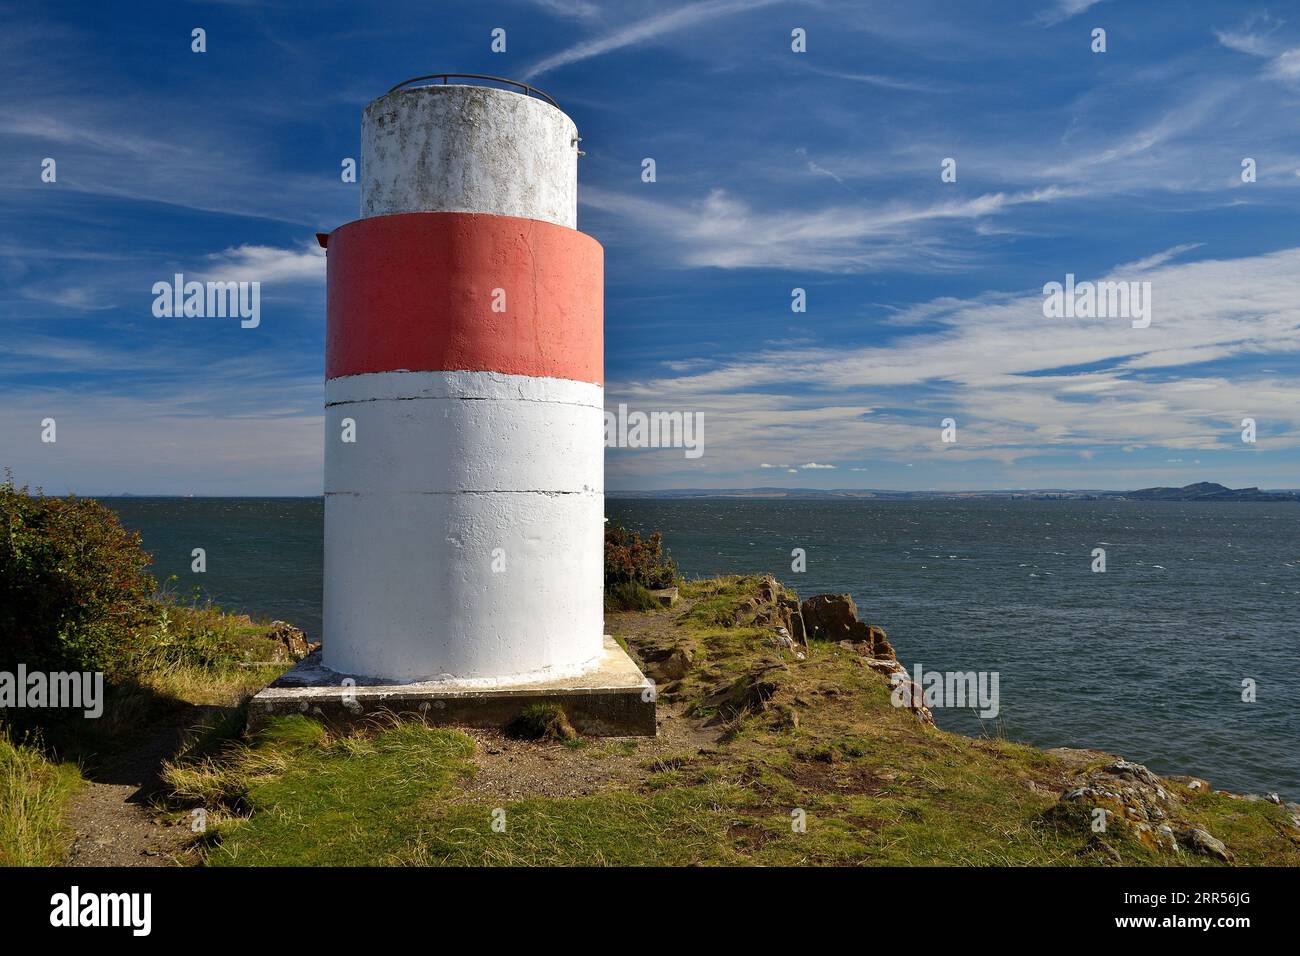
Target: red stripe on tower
(462,291)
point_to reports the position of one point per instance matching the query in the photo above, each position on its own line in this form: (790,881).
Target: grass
(813,765)
(199,657)
(205,656)
(295,796)
(630,596)
(390,796)
(677,828)
(33,795)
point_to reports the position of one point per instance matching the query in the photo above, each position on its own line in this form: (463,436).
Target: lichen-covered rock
(902,687)
(782,638)
(824,617)
(792,619)
(1194,784)
(291,643)
(1199,841)
(1131,793)
(912,695)
(880,646)
(1128,770)
(771,607)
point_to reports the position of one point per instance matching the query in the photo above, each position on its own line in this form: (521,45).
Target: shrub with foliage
(629,559)
(74,587)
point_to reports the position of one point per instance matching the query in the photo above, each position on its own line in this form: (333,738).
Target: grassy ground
(761,759)
(202,659)
(34,793)
(208,657)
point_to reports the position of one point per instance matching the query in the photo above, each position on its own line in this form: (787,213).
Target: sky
(775,170)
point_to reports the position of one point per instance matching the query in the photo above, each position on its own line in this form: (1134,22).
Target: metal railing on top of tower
(445,77)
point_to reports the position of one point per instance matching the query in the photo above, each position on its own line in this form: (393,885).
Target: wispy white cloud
(81,299)
(145,141)
(887,82)
(1058,11)
(1157,259)
(723,231)
(816,168)
(576,9)
(1257,37)
(1253,37)
(96,281)
(1286,65)
(643,31)
(1020,385)
(267,264)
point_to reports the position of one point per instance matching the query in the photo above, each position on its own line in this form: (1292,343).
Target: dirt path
(509,769)
(111,813)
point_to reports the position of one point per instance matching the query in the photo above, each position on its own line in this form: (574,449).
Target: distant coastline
(1201,491)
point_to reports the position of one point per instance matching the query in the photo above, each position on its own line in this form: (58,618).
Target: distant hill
(1204,491)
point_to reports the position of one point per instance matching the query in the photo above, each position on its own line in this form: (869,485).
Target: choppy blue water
(1146,660)
(264,555)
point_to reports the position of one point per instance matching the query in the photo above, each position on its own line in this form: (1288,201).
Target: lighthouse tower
(464,442)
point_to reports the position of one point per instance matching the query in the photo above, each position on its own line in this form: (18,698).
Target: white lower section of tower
(464,527)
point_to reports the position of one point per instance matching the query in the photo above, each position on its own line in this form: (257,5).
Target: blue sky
(775,170)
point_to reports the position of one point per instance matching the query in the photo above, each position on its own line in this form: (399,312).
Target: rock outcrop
(834,617)
(1129,794)
(1199,841)
(903,687)
(826,617)
(669,664)
(773,608)
(291,643)
(750,694)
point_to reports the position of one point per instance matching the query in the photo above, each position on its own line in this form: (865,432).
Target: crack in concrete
(458,398)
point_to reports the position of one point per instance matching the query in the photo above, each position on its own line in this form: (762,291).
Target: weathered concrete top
(450,148)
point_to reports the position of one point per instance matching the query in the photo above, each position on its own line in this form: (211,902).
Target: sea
(1183,654)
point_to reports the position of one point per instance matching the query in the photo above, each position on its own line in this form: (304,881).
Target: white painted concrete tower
(464,522)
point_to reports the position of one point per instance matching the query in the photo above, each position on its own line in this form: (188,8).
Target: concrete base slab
(613,700)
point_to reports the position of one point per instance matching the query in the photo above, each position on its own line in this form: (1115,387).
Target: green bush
(629,559)
(74,586)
